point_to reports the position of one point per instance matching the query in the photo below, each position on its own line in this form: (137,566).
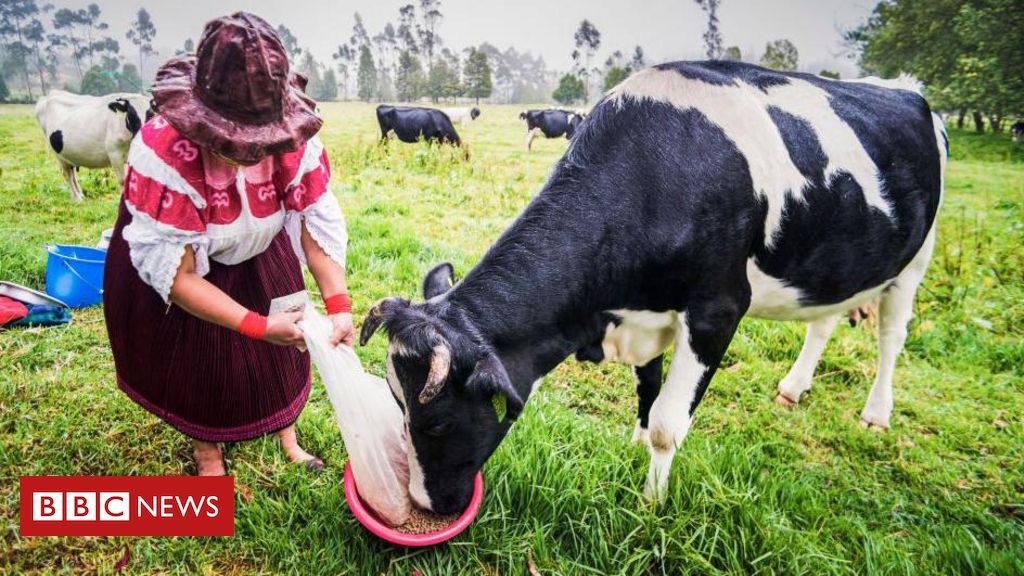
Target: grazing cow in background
(551,123)
(1017,130)
(695,194)
(91,131)
(410,124)
(463,116)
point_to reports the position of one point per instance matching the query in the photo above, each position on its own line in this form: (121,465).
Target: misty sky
(667,29)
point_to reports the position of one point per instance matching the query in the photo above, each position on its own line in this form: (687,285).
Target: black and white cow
(551,123)
(462,116)
(91,131)
(1017,130)
(695,194)
(410,124)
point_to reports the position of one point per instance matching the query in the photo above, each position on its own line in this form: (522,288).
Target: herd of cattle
(96,131)
(693,195)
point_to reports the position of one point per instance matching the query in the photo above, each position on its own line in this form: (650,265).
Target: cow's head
(457,398)
(522,115)
(132,121)
(575,119)
(473,113)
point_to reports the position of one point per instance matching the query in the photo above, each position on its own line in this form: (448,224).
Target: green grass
(755,489)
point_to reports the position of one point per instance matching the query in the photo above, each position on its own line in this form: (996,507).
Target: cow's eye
(439,429)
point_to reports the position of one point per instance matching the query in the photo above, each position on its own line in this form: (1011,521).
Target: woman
(226,191)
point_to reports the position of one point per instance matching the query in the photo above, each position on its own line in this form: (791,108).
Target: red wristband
(253,325)
(338,304)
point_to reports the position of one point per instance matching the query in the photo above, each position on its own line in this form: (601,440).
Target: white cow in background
(462,116)
(90,131)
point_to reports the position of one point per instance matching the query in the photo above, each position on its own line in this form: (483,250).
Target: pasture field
(756,488)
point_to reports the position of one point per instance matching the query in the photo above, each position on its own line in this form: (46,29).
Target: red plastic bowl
(365,515)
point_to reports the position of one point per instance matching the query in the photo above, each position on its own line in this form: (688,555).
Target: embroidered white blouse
(179,195)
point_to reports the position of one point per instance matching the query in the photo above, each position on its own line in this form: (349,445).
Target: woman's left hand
(343,331)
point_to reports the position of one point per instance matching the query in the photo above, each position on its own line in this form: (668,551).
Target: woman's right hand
(283,330)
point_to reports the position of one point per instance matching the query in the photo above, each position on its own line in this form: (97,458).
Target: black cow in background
(409,124)
(551,123)
(1017,130)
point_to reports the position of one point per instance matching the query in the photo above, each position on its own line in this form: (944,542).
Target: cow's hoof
(782,400)
(869,423)
(641,435)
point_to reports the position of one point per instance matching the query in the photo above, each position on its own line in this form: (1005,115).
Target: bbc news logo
(127,506)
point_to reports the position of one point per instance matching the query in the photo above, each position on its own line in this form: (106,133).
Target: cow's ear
(380,313)
(118,105)
(439,280)
(490,379)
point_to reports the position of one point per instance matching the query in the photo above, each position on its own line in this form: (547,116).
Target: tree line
(406,60)
(968,53)
(42,47)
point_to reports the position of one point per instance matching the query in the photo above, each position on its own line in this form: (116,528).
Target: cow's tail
(942,145)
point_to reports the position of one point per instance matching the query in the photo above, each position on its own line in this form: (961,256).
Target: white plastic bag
(371,422)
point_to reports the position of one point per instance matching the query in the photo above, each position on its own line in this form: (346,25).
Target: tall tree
(967,52)
(637,62)
(329,88)
(712,36)
(570,89)
(290,42)
(344,59)
(141,32)
(98,82)
(129,80)
(15,20)
(409,77)
(310,68)
(477,75)
(366,79)
(406,29)
(187,48)
(66,23)
(780,55)
(426,30)
(587,40)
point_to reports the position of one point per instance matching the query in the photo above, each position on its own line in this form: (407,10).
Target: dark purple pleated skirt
(209,382)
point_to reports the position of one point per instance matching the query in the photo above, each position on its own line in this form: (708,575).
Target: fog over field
(666,29)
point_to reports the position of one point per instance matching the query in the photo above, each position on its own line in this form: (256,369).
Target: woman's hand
(343,331)
(283,330)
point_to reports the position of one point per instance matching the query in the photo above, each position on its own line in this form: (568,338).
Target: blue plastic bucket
(74,274)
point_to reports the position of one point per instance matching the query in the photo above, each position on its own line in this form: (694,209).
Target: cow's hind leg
(71,177)
(704,332)
(798,380)
(648,384)
(894,312)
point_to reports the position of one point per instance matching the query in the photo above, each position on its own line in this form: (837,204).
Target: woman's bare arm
(202,299)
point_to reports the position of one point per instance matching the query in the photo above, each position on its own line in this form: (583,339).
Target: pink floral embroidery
(159,123)
(185,150)
(266,192)
(166,201)
(220,199)
(299,191)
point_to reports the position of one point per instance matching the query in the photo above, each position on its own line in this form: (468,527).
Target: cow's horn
(440,363)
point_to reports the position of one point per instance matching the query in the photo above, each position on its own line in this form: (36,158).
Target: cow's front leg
(704,332)
(648,384)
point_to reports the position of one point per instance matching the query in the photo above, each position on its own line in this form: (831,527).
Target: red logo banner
(127,506)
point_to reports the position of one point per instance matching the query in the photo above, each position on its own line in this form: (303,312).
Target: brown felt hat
(236,95)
